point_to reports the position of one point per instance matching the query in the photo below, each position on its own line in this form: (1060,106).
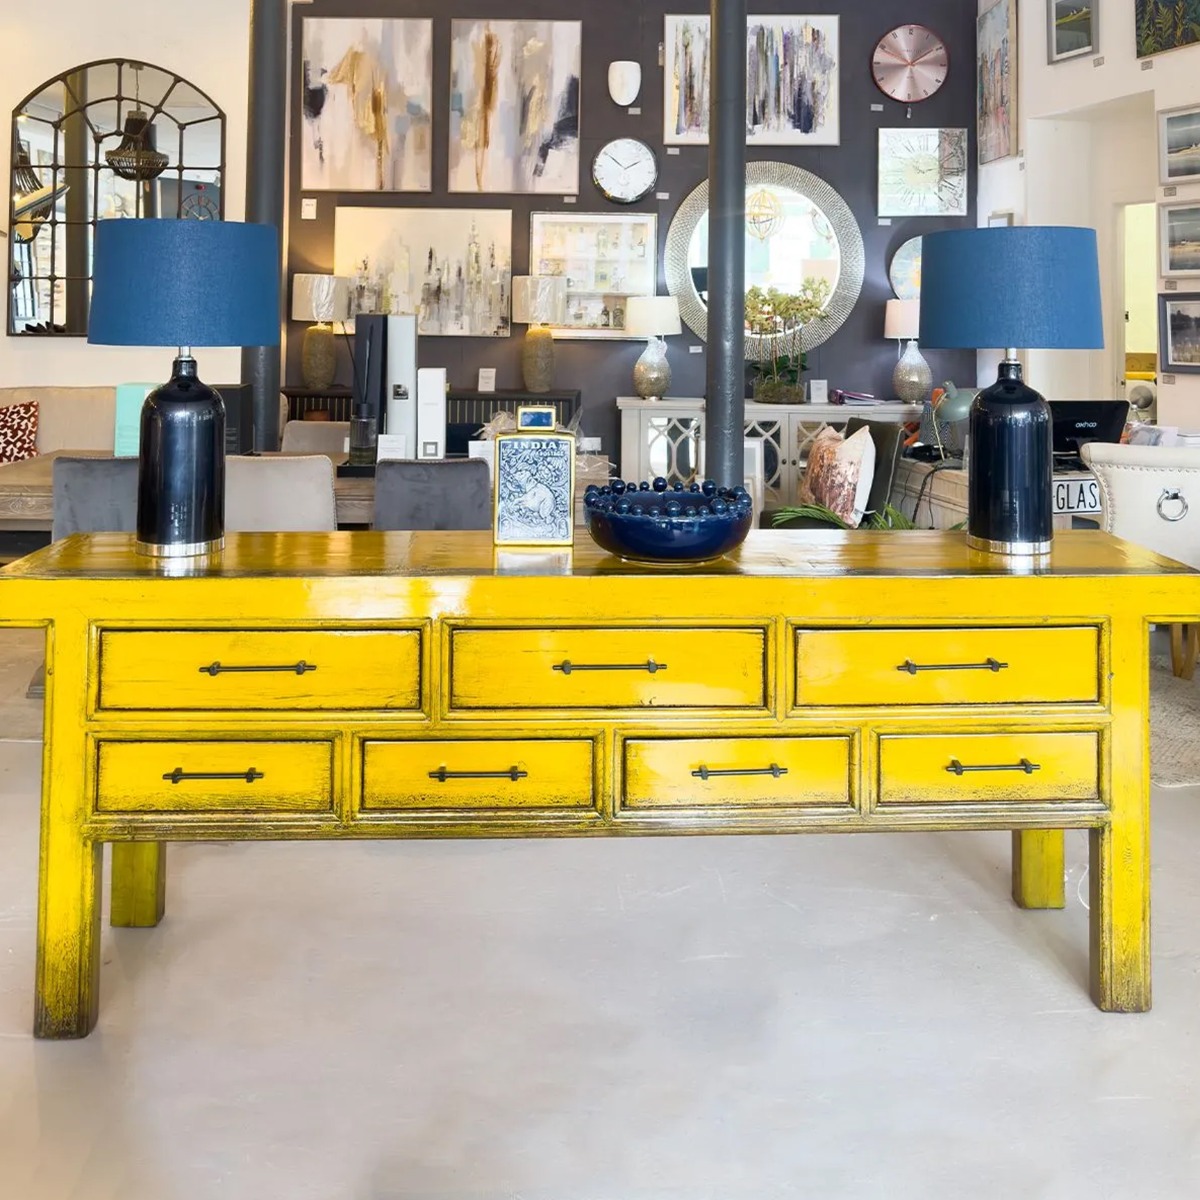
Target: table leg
(139,884)
(1038,868)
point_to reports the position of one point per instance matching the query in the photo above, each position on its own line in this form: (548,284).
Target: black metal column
(266,150)
(725,403)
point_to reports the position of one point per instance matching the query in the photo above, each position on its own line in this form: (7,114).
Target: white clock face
(625,170)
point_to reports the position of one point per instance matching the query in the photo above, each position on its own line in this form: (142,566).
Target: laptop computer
(1077,422)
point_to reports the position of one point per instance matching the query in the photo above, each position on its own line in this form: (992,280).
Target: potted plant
(778,318)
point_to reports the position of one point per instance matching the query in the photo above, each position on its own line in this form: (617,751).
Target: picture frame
(1072,29)
(533,490)
(922,172)
(1179,333)
(1001,219)
(1179,239)
(996,56)
(1179,144)
(605,258)
(532,417)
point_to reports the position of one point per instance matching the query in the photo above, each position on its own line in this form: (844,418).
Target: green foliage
(1165,24)
(779,318)
(888,517)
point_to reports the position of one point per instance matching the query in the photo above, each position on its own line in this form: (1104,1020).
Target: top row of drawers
(492,670)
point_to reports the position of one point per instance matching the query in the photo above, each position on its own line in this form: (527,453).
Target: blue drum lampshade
(184,283)
(1023,287)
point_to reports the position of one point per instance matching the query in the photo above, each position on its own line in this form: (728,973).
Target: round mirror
(802,241)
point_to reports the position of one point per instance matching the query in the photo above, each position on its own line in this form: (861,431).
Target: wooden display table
(372,685)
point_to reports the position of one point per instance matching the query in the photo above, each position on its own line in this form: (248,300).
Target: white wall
(208,45)
(1141,279)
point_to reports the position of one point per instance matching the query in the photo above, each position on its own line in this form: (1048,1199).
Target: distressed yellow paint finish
(458,673)
(138,896)
(721,773)
(947,666)
(500,773)
(260,669)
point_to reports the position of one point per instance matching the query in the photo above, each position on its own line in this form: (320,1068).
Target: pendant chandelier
(764,214)
(137,158)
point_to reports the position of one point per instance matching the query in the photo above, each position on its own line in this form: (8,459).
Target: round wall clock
(904,272)
(625,170)
(910,63)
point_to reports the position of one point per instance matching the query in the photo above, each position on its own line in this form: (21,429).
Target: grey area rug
(1174,709)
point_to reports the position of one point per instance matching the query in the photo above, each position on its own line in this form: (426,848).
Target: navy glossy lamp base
(181,468)
(1009,504)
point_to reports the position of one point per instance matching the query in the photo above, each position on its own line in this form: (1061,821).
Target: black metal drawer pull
(957,768)
(217,668)
(513,773)
(179,775)
(990,665)
(774,770)
(567,666)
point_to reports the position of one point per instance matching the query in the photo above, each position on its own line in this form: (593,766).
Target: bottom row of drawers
(658,774)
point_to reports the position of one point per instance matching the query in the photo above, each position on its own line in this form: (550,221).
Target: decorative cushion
(839,474)
(18,431)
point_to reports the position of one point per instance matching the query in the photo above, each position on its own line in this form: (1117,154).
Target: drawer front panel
(292,669)
(263,777)
(499,774)
(608,668)
(737,773)
(945,769)
(878,667)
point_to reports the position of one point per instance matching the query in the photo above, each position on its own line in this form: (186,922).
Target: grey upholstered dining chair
(447,493)
(315,437)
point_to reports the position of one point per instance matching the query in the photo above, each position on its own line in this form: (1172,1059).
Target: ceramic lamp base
(318,360)
(537,359)
(652,372)
(912,380)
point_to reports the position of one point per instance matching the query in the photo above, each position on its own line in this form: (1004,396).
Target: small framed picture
(1179,239)
(536,416)
(487,379)
(1001,219)
(534,489)
(1072,29)
(1179,333)
(1179,144)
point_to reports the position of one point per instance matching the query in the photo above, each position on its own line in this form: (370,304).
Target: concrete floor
(658,1019)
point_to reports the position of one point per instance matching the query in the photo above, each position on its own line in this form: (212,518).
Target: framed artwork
(792,81)
(1179,239)
(922,172)
(1072,29)
(904,271)
(1179,333)
(1001,219)
(1179,144)
(534,489)
(604,257)
(996,90)
(367,100)
(1165,25)
(450,266)
(514,106)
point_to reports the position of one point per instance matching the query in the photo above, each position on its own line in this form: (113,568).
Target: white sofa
(69,418)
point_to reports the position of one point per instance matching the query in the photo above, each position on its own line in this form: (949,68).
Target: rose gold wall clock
(910,63)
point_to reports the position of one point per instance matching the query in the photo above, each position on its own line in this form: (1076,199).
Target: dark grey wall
(856,356)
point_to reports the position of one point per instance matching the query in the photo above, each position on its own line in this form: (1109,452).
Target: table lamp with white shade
(912,379)
(538,301)
(654,318)
(321,299)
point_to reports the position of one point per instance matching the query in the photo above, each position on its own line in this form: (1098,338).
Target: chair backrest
(315,437)
(279,494)
(888,437)
(94,495)
(447,493)
(1150,495)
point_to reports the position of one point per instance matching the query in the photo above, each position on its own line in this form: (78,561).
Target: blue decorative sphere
(660,484)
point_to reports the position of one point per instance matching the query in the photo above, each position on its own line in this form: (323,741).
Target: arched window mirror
(105,140)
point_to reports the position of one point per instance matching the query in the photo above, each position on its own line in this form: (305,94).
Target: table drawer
(884,667)
(498,774)
(737,773)
(292,669)
(985,767)
(217,776)
(608,668)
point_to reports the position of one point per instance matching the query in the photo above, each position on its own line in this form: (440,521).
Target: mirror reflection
(104,141)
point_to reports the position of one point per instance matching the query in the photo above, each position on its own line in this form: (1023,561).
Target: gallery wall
(855,357)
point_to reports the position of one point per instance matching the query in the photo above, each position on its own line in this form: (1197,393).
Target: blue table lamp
(1030,287)
(183,283)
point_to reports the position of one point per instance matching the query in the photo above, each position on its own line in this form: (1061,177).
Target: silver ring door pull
(1172,505)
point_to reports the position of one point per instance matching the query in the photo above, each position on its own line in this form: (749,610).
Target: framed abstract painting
(996,90)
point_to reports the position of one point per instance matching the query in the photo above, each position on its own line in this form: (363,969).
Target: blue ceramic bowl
(717,522)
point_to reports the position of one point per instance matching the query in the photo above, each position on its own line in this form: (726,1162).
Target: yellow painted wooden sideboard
(425,685)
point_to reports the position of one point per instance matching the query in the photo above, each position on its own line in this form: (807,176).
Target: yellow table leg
(139,884)
(1038,868)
